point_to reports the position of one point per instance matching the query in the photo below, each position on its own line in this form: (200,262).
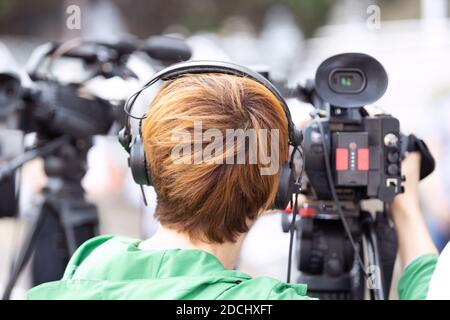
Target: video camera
(39,102)
(349,156)
(42,102)
(66,115)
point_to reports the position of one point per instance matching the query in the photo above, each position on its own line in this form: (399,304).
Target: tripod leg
(72,222)
(79,220)
(51,255)
(24,253)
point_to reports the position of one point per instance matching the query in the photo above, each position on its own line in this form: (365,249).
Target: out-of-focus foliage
(210,14)
(400,9)
(38,18)
(310,14)
(45,18)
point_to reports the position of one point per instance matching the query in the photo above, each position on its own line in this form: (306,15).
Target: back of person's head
(204,188)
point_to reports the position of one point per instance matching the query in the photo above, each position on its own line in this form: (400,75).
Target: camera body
(55,109)
(365,156)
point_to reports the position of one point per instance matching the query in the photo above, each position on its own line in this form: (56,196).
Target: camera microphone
(167,49)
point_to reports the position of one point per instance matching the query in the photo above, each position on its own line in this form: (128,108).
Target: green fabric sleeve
(284,291)
(414,282)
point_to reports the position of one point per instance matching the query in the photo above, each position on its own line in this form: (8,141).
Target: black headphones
(135,147)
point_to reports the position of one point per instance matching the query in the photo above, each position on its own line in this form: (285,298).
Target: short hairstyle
(211,202)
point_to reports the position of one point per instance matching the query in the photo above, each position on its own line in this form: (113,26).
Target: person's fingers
(411,167)
(409,198)
(303,123)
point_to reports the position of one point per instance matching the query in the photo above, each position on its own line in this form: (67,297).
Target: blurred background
(411,38)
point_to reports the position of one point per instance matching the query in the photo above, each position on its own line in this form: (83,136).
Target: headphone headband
(211,66)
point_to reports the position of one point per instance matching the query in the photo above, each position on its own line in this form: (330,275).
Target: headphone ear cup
(138,163)
(285,187)
(298,136)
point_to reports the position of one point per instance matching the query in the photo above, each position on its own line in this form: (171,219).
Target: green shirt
(413,284)
(109,267)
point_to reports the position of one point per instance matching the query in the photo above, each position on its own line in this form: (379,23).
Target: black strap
(412,143)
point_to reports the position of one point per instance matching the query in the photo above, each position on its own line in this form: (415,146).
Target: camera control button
(393,156)
(393,169)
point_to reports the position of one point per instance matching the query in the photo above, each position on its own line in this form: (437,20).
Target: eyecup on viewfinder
(351,80)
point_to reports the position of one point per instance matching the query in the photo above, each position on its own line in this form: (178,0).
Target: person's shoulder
(103,243)
(83,277)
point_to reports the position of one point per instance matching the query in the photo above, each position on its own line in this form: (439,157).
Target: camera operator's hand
(413,236)
(408,202)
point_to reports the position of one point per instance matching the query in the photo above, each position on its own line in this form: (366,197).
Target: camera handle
(11,166)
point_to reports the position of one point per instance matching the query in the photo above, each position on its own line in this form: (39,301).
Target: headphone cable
(336,199)
(297,186)
(291,234)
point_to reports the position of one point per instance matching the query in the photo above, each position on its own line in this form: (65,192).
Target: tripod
(327,261)
(64,218)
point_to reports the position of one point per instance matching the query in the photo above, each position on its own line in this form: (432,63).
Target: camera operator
(206,209)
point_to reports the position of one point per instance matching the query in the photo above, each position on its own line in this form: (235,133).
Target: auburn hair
(211,202)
